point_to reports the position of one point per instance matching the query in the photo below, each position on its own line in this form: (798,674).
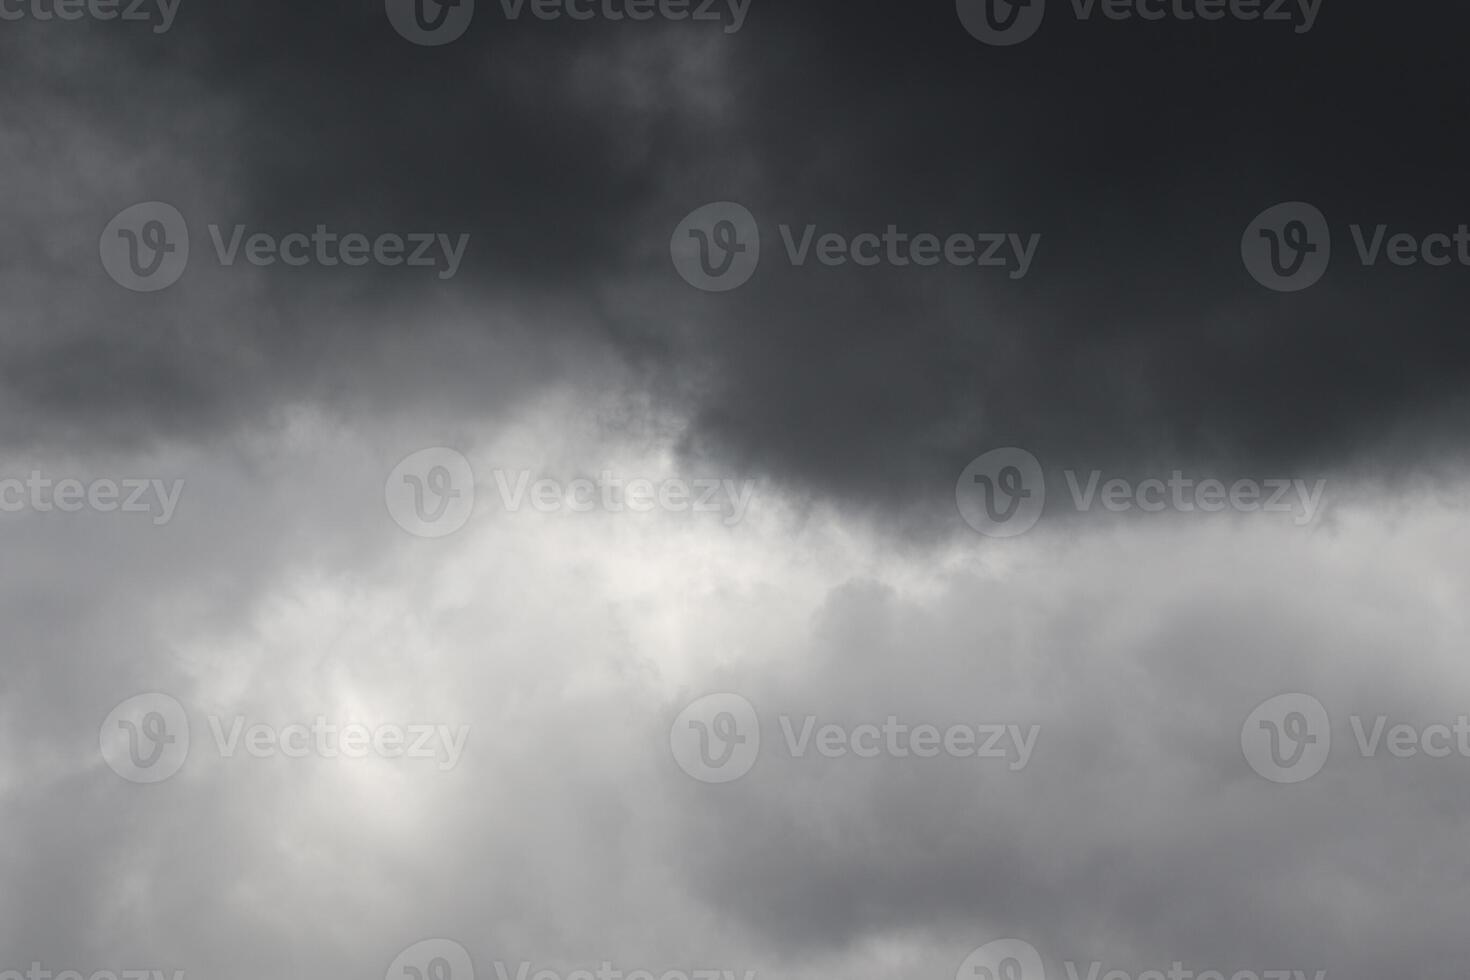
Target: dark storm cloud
(568,151)
(567,341)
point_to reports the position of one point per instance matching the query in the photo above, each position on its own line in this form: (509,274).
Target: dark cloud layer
(1139,151)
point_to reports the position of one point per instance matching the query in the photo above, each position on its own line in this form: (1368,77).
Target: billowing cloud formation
(1136,833)
(568,150)
(832,407)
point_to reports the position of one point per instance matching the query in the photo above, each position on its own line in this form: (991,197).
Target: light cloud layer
(567,836)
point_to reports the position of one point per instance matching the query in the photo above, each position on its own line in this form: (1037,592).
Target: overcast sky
(1001,420)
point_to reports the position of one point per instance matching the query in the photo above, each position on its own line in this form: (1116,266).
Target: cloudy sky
(795,488)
